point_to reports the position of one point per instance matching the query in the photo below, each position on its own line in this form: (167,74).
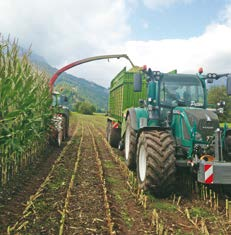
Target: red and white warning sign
(115,125)
(208,168)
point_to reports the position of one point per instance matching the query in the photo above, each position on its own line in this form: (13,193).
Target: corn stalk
(24,111)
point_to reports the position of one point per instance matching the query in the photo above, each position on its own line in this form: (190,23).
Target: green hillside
(79,89)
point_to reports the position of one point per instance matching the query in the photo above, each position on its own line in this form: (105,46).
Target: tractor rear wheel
(156,162)
(113,135)
(227,147)
(130,145)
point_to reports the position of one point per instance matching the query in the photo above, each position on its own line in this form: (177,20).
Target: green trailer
(121,98)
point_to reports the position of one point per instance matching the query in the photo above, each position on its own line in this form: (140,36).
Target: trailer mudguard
(132,114)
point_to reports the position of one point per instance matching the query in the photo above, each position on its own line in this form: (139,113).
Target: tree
(76,106)
(85,108)
(217,94)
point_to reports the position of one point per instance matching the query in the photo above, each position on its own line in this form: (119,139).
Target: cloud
(225,15)
(65,31)
(211,50)
(157,4)
(145,25)
(62,31)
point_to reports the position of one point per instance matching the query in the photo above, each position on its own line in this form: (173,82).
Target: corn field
(24,111)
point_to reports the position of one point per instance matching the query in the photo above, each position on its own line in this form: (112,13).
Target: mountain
(81,88)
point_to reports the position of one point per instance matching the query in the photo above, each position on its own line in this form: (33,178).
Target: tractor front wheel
(156,162)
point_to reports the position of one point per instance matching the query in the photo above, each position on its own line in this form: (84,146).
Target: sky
(162,34)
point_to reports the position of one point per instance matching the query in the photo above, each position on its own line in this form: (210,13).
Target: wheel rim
(127,143)
(142,163)
(60,136)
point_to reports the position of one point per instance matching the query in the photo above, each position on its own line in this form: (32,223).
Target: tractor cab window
(181,90)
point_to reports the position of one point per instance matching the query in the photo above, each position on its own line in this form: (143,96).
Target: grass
(112,180)
(109,164)
(165,206)
(222,124)
(180,232)
(161,205)
(127,219)
(200,212)
(59,179)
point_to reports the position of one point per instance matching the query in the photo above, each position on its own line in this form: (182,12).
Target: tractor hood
(206,121)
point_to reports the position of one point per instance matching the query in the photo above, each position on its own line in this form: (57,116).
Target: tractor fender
(135,115)
(132,114)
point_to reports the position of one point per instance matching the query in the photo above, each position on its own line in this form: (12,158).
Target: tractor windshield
(181,90)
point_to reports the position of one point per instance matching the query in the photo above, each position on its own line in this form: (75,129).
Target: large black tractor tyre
(227,148)
(156,162)
(130,145)
(113,135)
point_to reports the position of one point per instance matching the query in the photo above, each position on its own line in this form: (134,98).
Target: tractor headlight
(150,108)
(212,75)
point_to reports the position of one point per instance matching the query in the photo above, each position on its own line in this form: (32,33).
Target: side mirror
(137,82)
(209,80)
(228,85)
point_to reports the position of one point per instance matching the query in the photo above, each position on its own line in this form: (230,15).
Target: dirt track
(85,188)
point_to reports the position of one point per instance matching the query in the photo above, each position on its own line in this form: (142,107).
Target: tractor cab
(177,91)
(61,116)
(181,90)
(58,99)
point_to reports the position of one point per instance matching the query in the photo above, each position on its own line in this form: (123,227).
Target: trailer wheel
(130,145)
(156,163)
(113,135)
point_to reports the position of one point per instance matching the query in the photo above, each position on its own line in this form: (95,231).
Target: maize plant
(24,110)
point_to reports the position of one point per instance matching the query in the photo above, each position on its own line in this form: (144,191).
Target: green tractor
(162,122)
(60,120)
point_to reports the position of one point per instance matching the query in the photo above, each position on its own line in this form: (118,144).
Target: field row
(89,190)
